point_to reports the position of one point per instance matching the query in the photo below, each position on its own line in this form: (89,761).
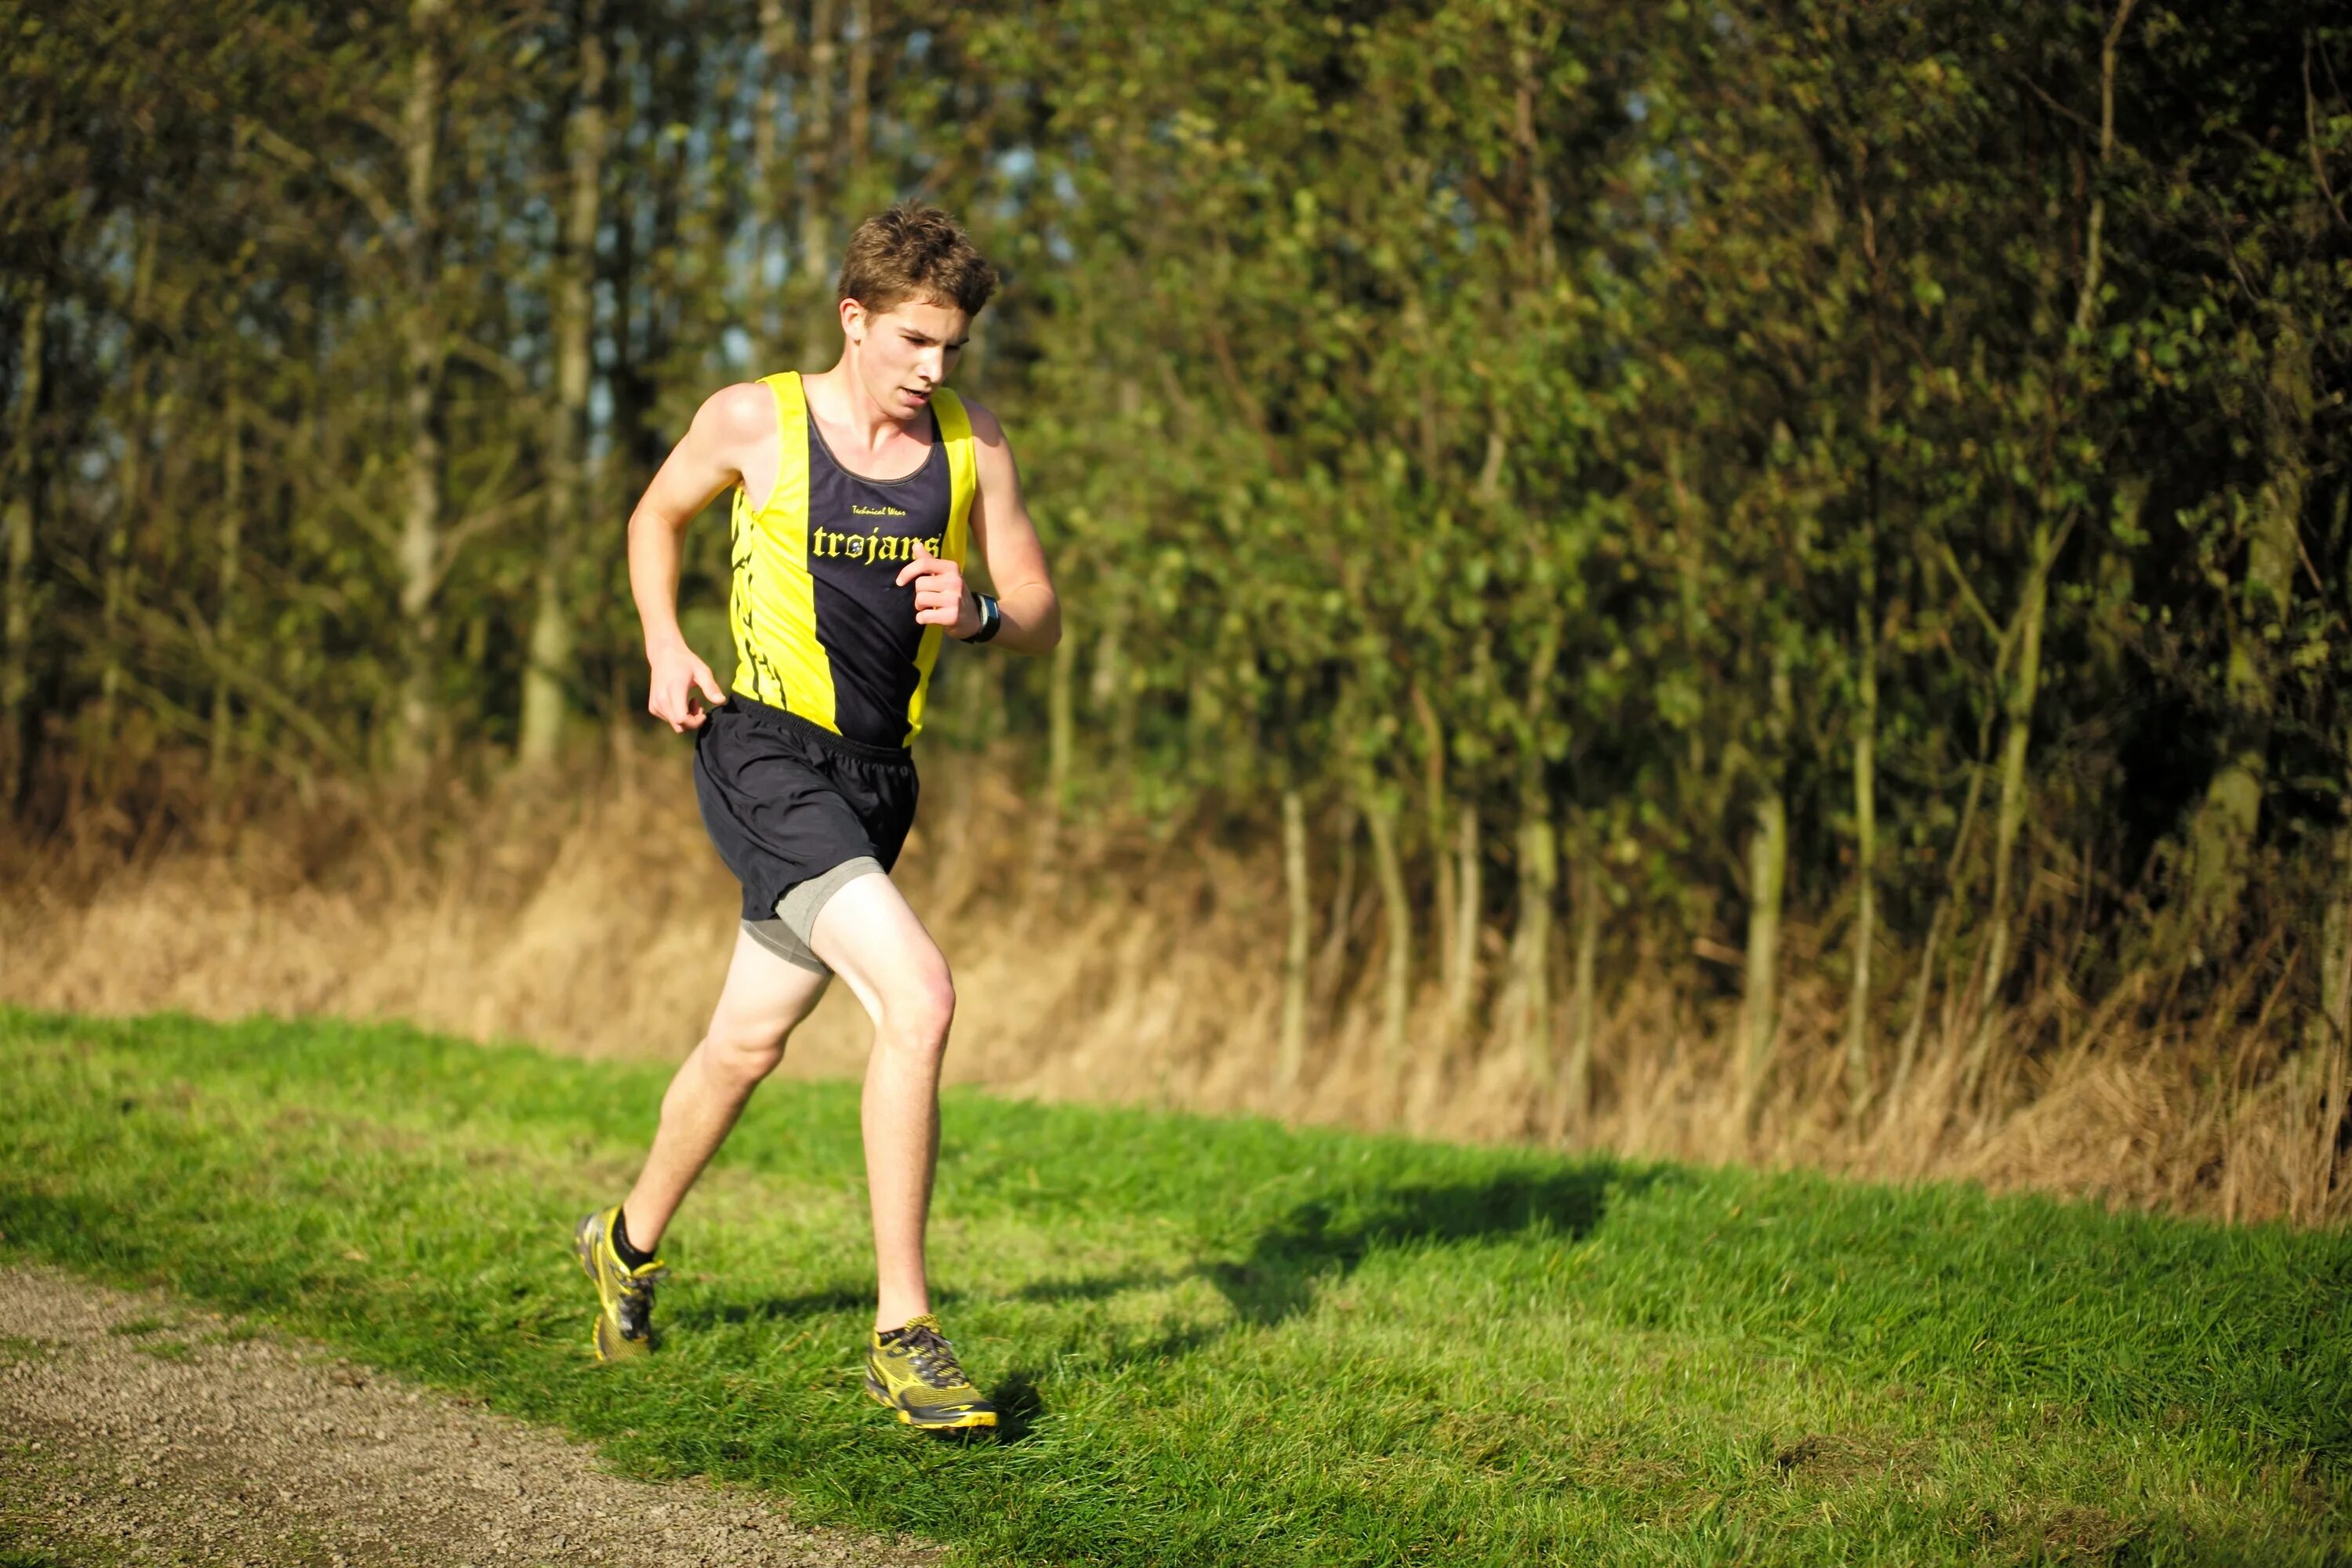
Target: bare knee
(917,1014)
(741,1055)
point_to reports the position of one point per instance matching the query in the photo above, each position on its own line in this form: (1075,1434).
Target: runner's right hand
(676,673)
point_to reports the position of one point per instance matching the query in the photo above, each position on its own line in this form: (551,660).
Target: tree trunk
(230,571)
(770,169)
(1759,1011)
(632,106)
(1768,876)
(1538,869)
(2222,837)
(1469,881)
(22,519)
(2330,1031)
(2025,677)
(1906,1054)
(423,354)
(130,489)
(978,683)
(1442,868)
(816,160)
(1108,694)
(1396,978)
(2008,817)
(1583,1002)
(860,129)
(1061,732)
(1330,965)
(1540,246)
(1124,709)
(1866,837)
(1690,585)
(2326,1066)
(547,678)
(1291,1053)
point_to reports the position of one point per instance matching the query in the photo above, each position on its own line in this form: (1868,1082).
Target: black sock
(629,1255)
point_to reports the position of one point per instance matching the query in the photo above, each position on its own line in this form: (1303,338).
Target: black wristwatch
(990,618)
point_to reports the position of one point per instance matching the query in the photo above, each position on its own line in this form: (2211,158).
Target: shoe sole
(584,1250)
(580,1245)
(969,1418)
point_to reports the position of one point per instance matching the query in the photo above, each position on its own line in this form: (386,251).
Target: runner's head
(911,285)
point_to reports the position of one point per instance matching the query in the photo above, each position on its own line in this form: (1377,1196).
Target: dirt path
(136,1431)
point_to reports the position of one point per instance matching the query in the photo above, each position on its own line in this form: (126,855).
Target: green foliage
(1546,410)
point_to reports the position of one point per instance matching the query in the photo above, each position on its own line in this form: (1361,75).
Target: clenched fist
(940,596)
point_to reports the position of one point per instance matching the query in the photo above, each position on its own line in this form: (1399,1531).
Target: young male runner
(856,494)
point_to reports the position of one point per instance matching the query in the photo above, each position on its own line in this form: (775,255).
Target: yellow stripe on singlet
(772,598)
(963,483)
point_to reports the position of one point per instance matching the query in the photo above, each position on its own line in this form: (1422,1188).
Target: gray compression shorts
(787,935)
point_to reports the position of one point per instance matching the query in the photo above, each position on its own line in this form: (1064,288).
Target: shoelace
(637,1292)
(932,1357)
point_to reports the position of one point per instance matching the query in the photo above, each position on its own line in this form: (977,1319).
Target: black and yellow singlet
(821,628)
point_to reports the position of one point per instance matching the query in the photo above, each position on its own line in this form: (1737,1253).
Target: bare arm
(1008,543)
(709,460)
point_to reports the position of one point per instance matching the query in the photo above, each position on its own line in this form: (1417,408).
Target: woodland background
(1736,579)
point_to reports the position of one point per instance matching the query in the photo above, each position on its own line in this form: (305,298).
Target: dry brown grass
(594,918)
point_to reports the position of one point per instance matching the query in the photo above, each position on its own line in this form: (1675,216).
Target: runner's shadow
(816,1303)
(1021,1404)
(1100,1287)
(1326,1238)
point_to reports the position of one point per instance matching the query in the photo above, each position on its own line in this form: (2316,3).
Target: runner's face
(906,353)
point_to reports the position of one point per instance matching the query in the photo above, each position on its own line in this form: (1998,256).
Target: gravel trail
(135,1430)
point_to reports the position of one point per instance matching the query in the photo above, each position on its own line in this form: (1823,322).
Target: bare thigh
(874,940)
(765,999)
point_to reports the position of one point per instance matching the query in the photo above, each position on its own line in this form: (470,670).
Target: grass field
(1226,1342)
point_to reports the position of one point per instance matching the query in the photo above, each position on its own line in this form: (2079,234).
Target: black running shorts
(786,802)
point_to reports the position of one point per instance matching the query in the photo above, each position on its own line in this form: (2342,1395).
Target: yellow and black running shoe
(914,1372)
(625,1296)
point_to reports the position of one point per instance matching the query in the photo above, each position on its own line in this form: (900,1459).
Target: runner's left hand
(939,598)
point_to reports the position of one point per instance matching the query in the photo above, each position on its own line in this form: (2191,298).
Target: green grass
(1226,1342)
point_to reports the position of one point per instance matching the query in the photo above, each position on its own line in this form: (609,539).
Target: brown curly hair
(915,252)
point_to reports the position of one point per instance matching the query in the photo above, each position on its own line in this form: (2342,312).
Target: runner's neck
(858,432)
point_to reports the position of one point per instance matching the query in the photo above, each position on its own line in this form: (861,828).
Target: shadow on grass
(823,1302)
(1019,1405)
(1319,1240)
(1100,1287)
(1328,1237)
